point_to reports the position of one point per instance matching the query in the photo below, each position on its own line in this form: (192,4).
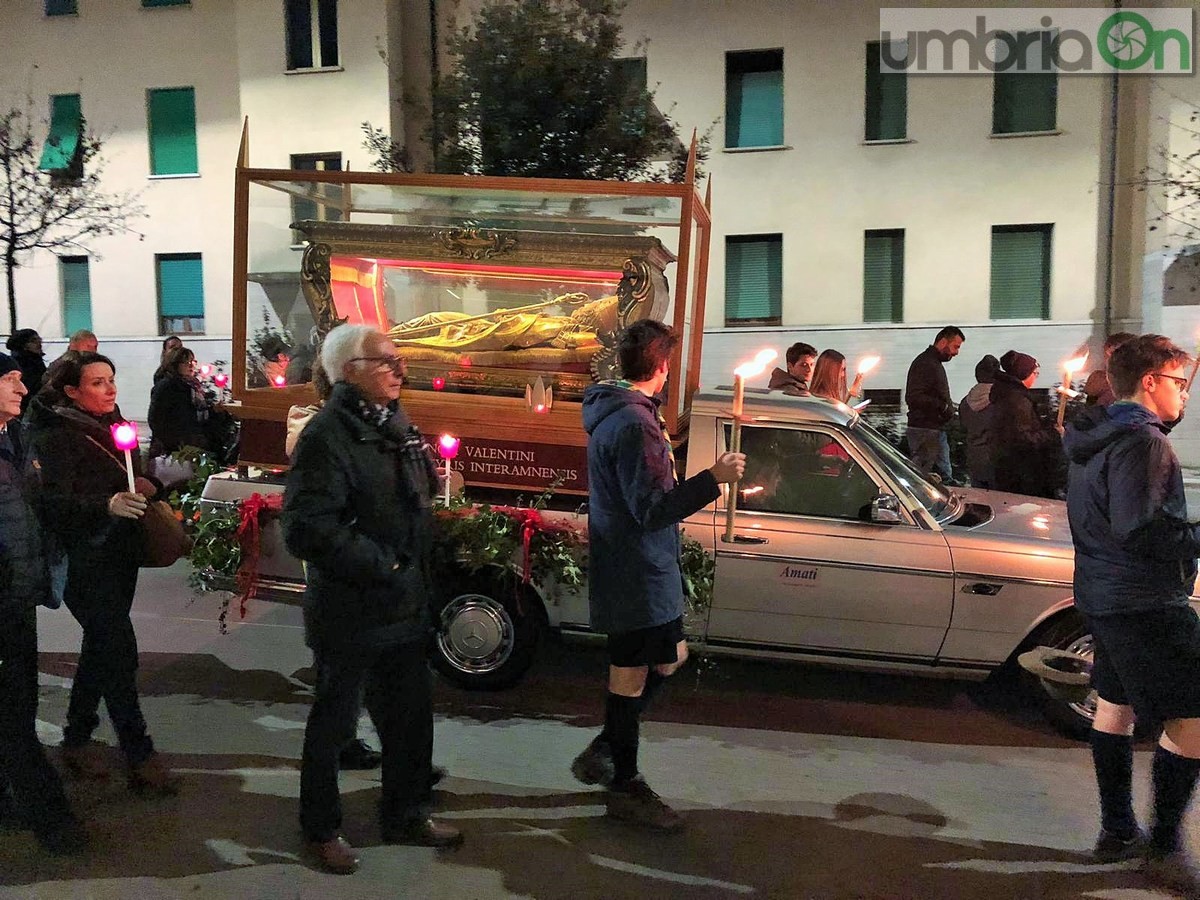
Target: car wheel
(1070,634)
(487,639)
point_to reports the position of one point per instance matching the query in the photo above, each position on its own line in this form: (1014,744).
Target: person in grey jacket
(635,504)
(30,789)
(1135,569)
(358,510)
(977,413)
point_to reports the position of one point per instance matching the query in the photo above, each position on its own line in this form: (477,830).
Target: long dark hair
(172,360)
(829,376)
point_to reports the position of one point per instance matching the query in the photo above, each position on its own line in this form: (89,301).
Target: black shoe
(595,764)
(1176,871)
(422,833)
(1110,848)
(634,802)
(357,755)
(66,839)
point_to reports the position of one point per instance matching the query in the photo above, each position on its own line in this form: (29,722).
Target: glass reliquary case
(504,295)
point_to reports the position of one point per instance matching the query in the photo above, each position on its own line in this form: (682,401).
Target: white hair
(342,344)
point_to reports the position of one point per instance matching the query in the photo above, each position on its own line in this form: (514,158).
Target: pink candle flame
(448,446)
(205,370)
(438,382)
(124,435)
(278,381)
(221,380)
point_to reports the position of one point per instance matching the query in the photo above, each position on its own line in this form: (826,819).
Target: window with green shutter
(180,293)
(1024,99)
(66,123)
(754,280)
(1021,271)
(883,275)
(172,114)
(76,293)
(754,99)
(61,8)
(886,104)
(311,34)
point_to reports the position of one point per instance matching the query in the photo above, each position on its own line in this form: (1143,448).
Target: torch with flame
(746,370)
(1070,367)
(867,363)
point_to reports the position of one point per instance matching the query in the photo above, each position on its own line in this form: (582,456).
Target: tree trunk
(10,265)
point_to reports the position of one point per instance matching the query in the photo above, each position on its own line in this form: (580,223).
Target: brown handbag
(163,539)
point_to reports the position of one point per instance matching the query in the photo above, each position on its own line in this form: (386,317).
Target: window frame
(775,303)
(316,43)
(739,63)
(1005,91)
(878,78)
(168,324)
(68,151)
(296,161)
(64,262)
(151,94)
(897,278)
(1046,229)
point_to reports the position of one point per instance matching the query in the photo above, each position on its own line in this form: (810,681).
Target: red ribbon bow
(249,536)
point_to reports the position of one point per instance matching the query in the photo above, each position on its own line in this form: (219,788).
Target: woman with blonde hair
(829,378)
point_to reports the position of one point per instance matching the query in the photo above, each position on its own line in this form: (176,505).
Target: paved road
(795,782)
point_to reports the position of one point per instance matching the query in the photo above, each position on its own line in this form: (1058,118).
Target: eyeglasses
(1181,383)
(395,363)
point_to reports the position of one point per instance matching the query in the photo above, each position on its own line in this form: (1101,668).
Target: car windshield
(934,499)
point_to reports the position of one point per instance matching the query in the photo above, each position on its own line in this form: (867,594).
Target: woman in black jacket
(179,413)
(1027,449)
(87,505)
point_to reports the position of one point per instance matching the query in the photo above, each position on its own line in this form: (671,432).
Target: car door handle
(744,539)
(983,588)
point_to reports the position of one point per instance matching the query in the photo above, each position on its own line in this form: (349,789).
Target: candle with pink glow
(278,381)
(124,435)
(448,449)
(221,380)
(746,370)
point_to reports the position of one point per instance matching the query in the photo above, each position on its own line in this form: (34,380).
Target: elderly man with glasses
(1135,568)
(358,510)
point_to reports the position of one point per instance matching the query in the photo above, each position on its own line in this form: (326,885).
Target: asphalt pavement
(795,783)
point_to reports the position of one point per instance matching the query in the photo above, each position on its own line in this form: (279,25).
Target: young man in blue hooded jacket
(636,502)
(1135,568)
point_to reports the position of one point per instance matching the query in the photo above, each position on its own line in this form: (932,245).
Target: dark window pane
(1020,287)
(298,22)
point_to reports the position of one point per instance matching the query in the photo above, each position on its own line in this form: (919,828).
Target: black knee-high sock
(1174,780)
(621,726)
(1112,755)
(654,683)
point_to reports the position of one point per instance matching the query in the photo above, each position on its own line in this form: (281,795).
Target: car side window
(808,473)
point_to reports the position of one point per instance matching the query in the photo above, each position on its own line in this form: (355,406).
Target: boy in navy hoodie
(635,504)
(1135,567)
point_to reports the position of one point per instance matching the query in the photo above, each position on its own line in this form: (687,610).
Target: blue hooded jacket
(1134,547)
(635,505)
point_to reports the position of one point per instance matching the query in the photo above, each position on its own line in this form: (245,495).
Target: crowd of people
(358,511)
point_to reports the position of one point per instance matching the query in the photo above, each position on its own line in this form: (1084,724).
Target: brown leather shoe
(151,776)
(422,833)
(88,760)
(335,856)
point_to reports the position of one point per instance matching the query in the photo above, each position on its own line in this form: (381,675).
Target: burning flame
(278,381)
(205,370)
(1071,366)
(448,446)
(754,489)
(221,379)
(867,363)
(438,382)
(125,435)
(757,365)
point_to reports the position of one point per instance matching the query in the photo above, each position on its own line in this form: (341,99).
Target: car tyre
(1067,632)
(488,632)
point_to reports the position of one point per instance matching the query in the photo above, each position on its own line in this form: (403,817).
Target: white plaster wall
(111,54)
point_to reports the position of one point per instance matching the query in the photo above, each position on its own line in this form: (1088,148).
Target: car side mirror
(885,509)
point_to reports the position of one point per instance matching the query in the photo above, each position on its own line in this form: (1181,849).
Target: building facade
(851,209)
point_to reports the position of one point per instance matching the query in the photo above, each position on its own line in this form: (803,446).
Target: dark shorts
(1150,661)
(654,646)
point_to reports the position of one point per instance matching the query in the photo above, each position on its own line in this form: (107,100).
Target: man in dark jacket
(1135,567)
(1026,449)
(358,510)
(37,796)
(635,504)
(930,409)
(801,359)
